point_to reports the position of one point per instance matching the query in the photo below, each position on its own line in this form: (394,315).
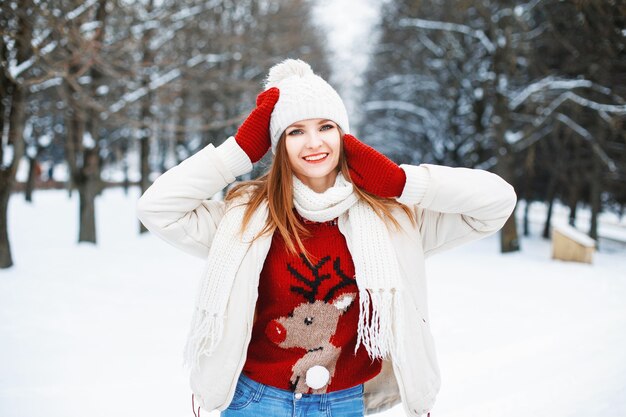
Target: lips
(315,158)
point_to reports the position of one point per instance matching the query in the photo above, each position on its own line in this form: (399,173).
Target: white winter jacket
(451,206)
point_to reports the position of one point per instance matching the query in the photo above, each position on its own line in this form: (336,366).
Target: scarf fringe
(204,336)
(215,286)
(378,333)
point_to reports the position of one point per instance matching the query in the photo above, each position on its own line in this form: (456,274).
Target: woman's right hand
(253,136)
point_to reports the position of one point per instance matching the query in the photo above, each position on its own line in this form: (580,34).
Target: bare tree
(483,83)
(82,143)
(102,83)
(15,47)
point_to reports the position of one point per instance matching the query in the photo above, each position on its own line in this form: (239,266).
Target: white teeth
(316,157)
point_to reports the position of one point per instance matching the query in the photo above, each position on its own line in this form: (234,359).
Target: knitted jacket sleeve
(456,205)
(177,206)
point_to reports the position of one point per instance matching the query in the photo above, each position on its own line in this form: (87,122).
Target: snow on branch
(599,107)
(90,26)
(528,140)
(585,134)
(163,79)
(166,35)
(552,83)
(522,9)
(398,105)
(449,27)
(608,108)
(51,82)
(73,14)
(430,45)
(16,70)
(495,18)
(188,12)
(566,120)
(179,21)
(135,95)
(43,36)
(521,141)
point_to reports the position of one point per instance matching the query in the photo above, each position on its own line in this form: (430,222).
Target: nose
(314,140)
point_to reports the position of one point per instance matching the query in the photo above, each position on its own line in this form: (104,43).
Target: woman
(313,300)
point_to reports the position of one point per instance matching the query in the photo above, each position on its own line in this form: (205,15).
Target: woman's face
(313,148)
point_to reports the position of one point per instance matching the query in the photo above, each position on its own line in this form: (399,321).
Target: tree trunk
(509,239)
(573,205)
(125,169)
(6,260)
(89,186)
(30,181)
(83,155)
(85,169)
(181,149)
(526,224)
(145,172)
(551,195)
(14,95)
(146,113)
(503,59)
(73,131)
(546,227)
(87,229)
(7,175)
(595,198)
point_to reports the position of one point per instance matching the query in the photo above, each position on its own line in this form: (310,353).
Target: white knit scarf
(376,269)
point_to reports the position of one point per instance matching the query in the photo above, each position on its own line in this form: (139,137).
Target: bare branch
(398,105)
(449,27)
(73,14)
(162,80)
(608,108)
(585,134)
(552,83)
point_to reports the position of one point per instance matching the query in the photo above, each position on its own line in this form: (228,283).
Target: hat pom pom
(286,69)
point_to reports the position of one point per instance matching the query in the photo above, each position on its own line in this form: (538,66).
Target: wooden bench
(570,244)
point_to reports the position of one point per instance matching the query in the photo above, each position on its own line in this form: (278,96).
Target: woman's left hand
(371,170)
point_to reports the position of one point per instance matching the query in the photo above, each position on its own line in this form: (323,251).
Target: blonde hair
(276,187)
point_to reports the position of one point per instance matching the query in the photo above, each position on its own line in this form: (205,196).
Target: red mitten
(371,170)
(253,136)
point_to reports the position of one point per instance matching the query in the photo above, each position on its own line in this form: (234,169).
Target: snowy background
(99,330)
(351,36)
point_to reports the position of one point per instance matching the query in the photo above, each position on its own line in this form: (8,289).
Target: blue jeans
(253,399)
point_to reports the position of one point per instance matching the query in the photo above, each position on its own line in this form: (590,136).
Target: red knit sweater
(307,316)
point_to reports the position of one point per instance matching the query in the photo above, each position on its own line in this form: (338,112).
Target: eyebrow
(321,122)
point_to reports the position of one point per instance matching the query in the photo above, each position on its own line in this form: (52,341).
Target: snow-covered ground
(99,331)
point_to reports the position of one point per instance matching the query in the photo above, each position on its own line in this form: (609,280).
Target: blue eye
(295,132)
(327,127)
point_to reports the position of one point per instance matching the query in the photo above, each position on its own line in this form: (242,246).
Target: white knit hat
(303,95)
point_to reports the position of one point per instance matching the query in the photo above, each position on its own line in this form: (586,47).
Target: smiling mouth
(316,158)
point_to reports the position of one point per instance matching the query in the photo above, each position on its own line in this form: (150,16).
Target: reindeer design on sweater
(311,326)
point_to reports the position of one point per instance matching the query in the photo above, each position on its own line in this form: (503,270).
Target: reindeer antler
(345,280)
(314,284)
